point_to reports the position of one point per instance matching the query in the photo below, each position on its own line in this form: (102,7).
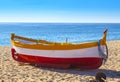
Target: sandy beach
(11,71)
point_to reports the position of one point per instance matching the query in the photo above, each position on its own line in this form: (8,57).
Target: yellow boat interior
(24,42)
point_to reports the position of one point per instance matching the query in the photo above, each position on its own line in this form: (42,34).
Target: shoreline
(10,70)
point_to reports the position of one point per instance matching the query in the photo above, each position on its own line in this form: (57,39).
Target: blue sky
(99,11)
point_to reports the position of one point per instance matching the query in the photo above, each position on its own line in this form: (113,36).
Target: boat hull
(75,62)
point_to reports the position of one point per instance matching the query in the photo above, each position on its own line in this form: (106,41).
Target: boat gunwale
(45,45)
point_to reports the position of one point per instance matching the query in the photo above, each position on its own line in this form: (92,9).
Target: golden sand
(11,71)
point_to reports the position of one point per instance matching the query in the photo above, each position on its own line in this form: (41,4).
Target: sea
(59,32)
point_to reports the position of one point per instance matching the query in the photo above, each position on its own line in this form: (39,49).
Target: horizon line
(59,22)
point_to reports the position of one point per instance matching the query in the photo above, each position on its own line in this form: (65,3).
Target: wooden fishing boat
(88,55)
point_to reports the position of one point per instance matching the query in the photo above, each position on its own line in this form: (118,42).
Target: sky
(73,11)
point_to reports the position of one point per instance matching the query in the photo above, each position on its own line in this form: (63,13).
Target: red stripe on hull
(82,63)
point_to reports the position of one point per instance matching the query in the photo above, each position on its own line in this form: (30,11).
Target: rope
(101,53)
